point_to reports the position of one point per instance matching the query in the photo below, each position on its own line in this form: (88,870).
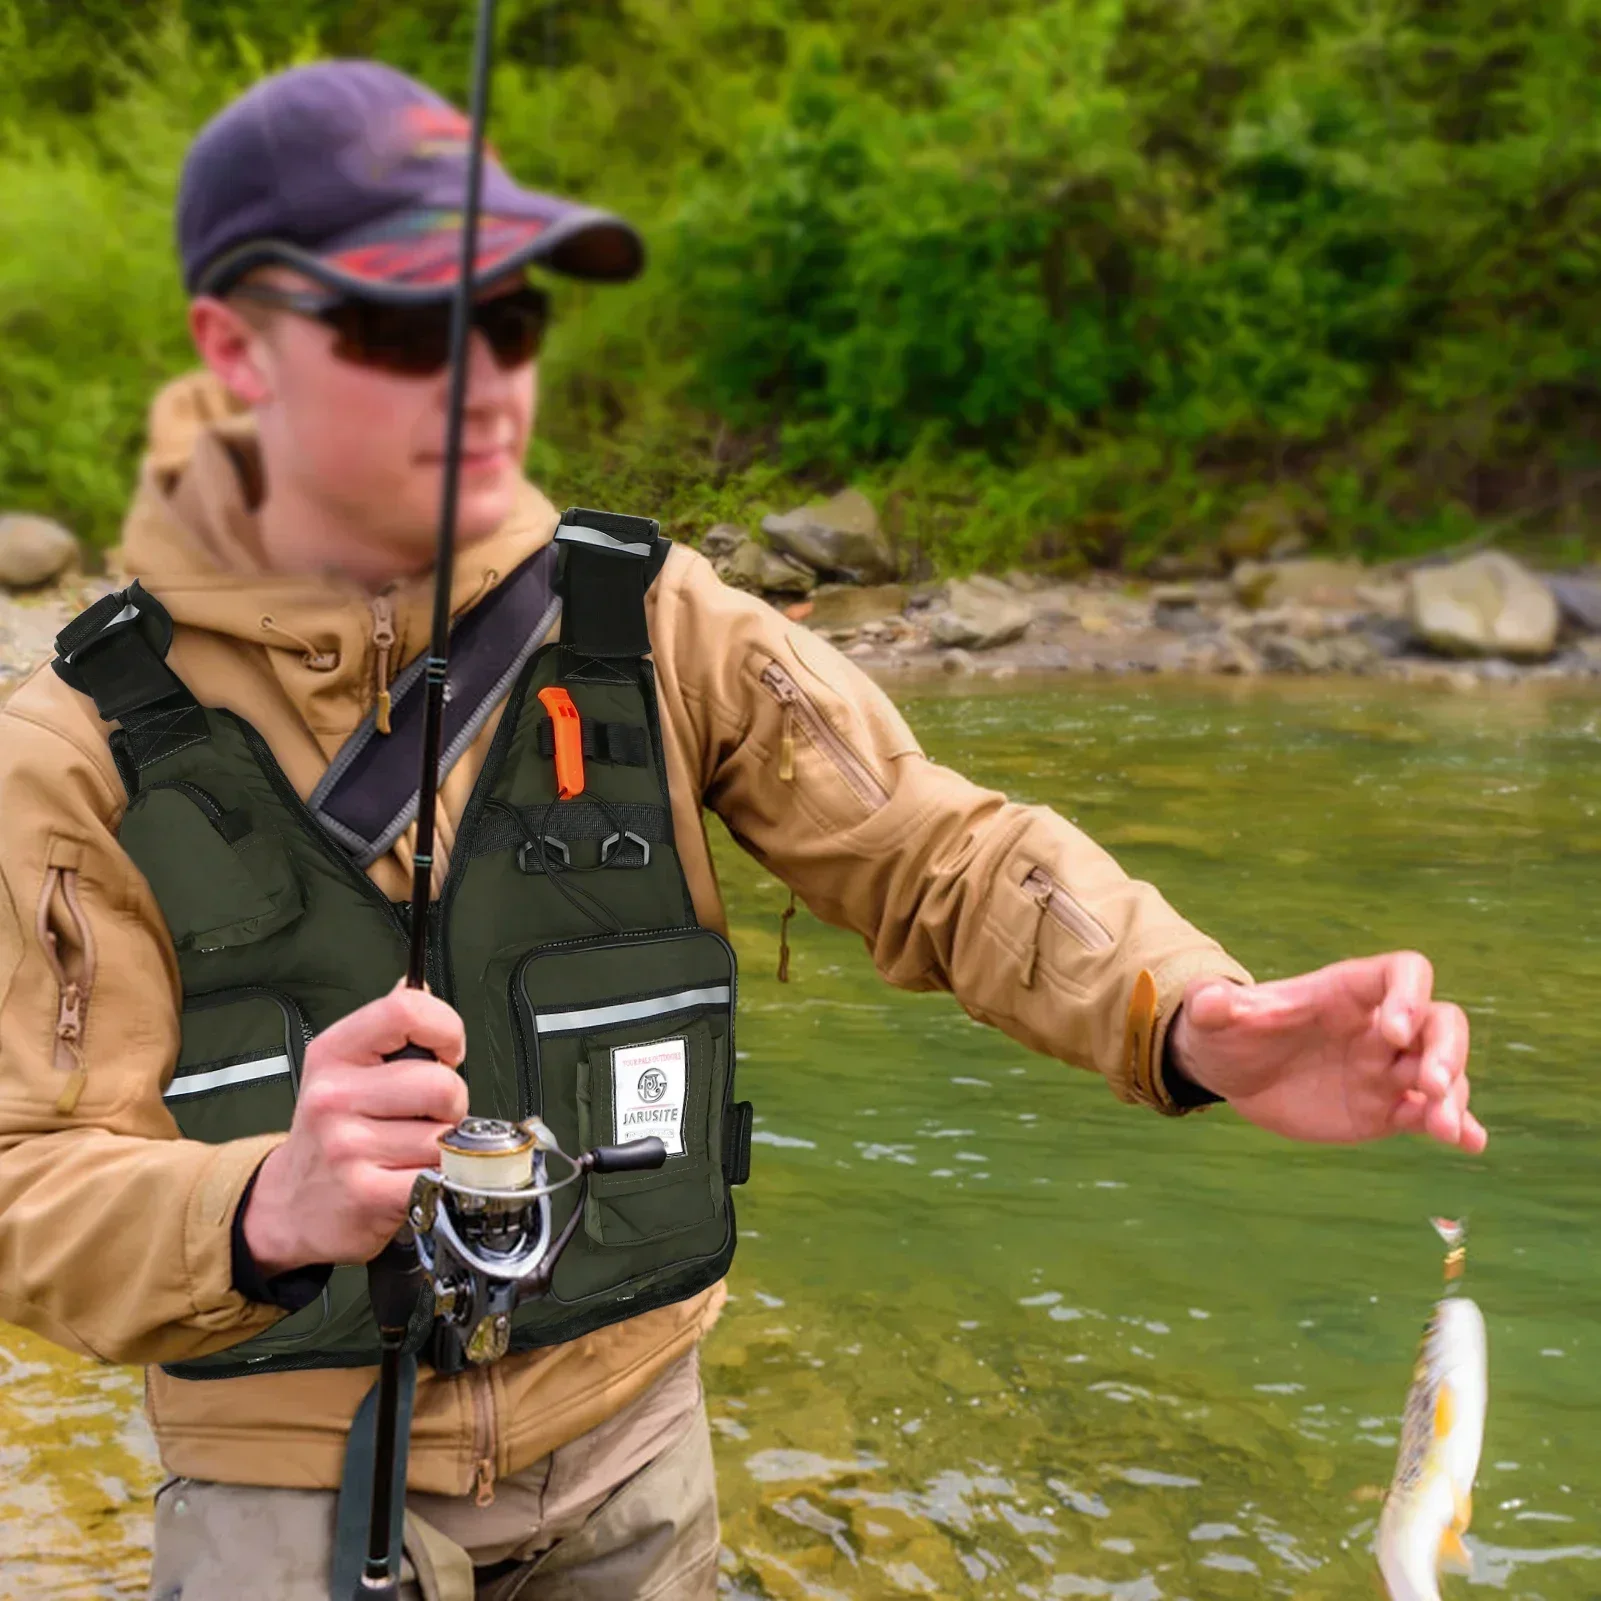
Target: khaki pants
(627,1512)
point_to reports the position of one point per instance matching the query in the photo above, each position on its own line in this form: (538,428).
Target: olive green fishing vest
(565,935)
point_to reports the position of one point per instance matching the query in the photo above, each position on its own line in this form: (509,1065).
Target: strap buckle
(550,843)
(609,845)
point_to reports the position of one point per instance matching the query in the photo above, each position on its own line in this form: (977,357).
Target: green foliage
(1059,280)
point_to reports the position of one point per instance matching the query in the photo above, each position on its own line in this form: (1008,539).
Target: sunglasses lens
(514,325)
(415,340)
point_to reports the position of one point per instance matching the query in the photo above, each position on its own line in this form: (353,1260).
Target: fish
(1430,1500)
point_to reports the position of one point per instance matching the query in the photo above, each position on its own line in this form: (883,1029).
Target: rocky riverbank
(1482,618)
(1479,617)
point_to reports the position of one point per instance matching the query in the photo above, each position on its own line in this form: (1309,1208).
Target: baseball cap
(356,175)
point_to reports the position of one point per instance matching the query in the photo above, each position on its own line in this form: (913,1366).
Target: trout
(1430,1501)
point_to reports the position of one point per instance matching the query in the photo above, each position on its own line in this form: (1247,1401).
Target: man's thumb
(1210,1003)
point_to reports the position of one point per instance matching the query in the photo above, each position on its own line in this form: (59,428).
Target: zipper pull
(69,1031)
(383,638)
(1042,899)
(484,1482)
(786,745)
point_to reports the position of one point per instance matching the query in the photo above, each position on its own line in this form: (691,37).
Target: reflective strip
(578,534)
(630,1011)
(221,1078)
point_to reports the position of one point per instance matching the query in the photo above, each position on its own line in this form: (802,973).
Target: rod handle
(629,1158)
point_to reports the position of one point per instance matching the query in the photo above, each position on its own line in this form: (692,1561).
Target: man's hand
(336,1189)
(1351,1052)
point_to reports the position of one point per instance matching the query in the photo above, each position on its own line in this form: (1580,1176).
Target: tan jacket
(114,1232)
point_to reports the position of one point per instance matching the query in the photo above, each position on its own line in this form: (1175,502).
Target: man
(285,524)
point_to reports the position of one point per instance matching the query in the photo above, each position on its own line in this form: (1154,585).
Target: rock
(1263,527)
(838,536)
(979,615)
(845,606)
(1285,653)
(33,550)
(1578,599)
(749,566)
(864,648)
(1028,583)
(722,539)
(1485,606)
(1207,562)
(957,661)
(1311,581)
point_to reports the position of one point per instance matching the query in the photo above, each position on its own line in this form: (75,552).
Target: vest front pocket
(645,1081)
(238,1064)
(219,881)
(620,1038)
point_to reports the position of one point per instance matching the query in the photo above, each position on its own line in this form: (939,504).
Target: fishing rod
(478,1233)
(395,1281)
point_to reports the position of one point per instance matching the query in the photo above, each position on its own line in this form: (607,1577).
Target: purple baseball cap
(356,175)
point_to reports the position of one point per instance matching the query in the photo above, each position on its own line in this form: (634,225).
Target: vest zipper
(73,993)
(383,639)
(1053,901)
(798,708)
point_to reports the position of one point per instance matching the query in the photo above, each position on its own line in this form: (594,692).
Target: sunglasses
(415,340)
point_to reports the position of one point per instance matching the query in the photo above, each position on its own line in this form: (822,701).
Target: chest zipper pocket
(1052,901)
(800,712)
(219,881)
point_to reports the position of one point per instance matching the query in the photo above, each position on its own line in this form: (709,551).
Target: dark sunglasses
(415,340)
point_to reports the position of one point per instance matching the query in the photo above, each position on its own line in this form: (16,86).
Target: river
(992,1333)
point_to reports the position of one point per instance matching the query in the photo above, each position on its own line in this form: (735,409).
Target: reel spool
(483,1226)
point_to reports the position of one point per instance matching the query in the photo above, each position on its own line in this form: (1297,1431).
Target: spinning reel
(483,1226)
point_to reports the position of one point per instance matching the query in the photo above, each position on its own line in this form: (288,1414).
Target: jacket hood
(191,539)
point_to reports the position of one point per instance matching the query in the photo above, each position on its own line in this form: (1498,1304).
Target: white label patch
(648,1087)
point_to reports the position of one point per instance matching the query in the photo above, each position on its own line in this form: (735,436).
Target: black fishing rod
(395,1276)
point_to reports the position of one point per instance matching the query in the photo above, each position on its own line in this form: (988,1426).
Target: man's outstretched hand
(1351,1052)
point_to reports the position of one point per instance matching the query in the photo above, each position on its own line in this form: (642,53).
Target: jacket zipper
(798,708)
(1053,901)
(483,1436)
(73,993)
(383,639)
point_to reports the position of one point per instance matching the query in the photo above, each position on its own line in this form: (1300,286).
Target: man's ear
(231,347)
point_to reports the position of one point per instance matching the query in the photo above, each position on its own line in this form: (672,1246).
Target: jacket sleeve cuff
(1154,1002)
(208,1238)
(292,1290)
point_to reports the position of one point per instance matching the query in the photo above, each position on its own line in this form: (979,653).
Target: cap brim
(416,256)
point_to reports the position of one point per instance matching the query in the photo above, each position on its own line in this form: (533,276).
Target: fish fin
(1462,1510)
(1444,1412)
(1453,1553)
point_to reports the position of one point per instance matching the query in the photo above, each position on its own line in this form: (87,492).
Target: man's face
(365,447)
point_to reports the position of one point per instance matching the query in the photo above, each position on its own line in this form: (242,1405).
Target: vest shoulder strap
(606,562)
(115,652)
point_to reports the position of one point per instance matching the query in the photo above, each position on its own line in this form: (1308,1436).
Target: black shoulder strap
(607,561)
(116,653)
(368,797)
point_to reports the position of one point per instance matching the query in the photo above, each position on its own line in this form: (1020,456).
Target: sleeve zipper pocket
(799,708)
(73,990)
(1054,902)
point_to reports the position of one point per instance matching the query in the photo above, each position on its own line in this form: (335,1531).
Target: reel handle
(635,1156)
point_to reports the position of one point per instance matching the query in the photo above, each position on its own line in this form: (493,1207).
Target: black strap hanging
(607,562)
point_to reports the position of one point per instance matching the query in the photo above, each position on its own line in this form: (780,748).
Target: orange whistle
(569,742)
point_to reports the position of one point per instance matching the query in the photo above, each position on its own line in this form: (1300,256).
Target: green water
(994,1334)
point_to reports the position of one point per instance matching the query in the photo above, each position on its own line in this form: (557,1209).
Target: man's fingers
(402,1017)
(1445,1046)
(1409,982)
(409,1089)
